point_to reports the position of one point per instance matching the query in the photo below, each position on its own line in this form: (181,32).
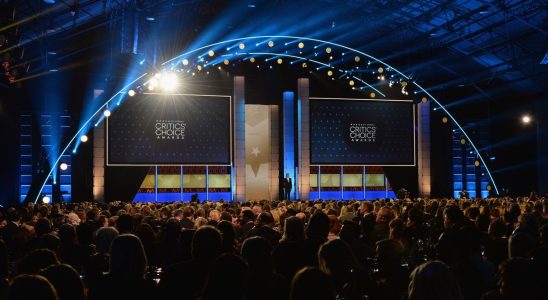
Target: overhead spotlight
(252,59)
(185,62)
(210,53)
(280,61)
(199,67)
(305,65)
(380,70)
(381,77)
(357,58)
(351,82)
(46,200)
(444,120)
(241,46)
(462,141)
(84,138)
(219,67)
(270,44)
(131,93)
(106,113)
(226,62)
(331,58)
(169,81)
(328,50)
(526,119)
(301,45)
(477,163)
(63,166)
(329,73)
(372,95)
(424,99)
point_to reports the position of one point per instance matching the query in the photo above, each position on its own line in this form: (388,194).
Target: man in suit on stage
(287,186)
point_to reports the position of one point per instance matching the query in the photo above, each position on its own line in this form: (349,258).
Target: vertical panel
(99,162)
(423,123)
(239,139)
(257,148)
(304,138)
(289,138)
(274,153)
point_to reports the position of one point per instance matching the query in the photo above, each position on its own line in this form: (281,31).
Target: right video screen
(362,132)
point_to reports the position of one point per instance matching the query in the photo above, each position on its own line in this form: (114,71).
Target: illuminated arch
(177,59)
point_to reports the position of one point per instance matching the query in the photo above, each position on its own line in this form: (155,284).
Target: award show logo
(170,130)
(362,132)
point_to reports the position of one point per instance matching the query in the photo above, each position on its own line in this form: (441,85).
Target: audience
(382,249)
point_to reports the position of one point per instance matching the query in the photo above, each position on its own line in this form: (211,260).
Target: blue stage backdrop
(362,132)
(160,129)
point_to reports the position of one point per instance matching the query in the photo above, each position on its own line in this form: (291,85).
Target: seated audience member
(146,234)
(187,222)
(391,278)
(257,252)
(246,222)
(311,283)
(518,279)
(228,235)
(36,260)
(350,233)
(432,281)
(170,247)
(126,277)
(496,249)
(66,281)
(316,234)
(337,260)
(206,245)
(381,229)
(30,287)
(227,279)
(124,224)
(69,252)
(288,255)
(264,227)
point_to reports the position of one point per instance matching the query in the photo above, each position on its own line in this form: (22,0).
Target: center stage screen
(170,129)
(362,132)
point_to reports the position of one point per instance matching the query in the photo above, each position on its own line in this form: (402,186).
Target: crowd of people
(495,248)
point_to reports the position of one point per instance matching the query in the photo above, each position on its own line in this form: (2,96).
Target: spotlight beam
(84,126)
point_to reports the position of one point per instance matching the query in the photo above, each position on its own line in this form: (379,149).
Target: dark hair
(318,225)
(226,278)
(124,224)
(42,226)
(30,287)
(127,258)
(432,281)
(36,260)
(257,252)
(206,243)
(338,261)
(293,229)
(66,281)
(104,238)
(228,236)
(311,283)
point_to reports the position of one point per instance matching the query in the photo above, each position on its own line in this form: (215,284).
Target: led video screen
(362,132)
(170,129)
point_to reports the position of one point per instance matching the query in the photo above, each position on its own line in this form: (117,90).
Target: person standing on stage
(287,186)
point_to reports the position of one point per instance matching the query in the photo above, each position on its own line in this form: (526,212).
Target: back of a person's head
(66,281)
(389,251)
(104,238)
(521,244)
(36,260)
(31,287)
(257,252)
(127,257)
(311,283)
(4,260)
(226,279)
(337,259)
(228,232)
(293,229)
(42,226)
(350,231)
(432,281)
(318,226)
(84,233)
(206,243)
(520,279)
(124,224)
(265,218)
(67,234)
(145,233)
(453,216)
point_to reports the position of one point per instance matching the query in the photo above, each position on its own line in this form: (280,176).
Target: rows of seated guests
(494,248)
